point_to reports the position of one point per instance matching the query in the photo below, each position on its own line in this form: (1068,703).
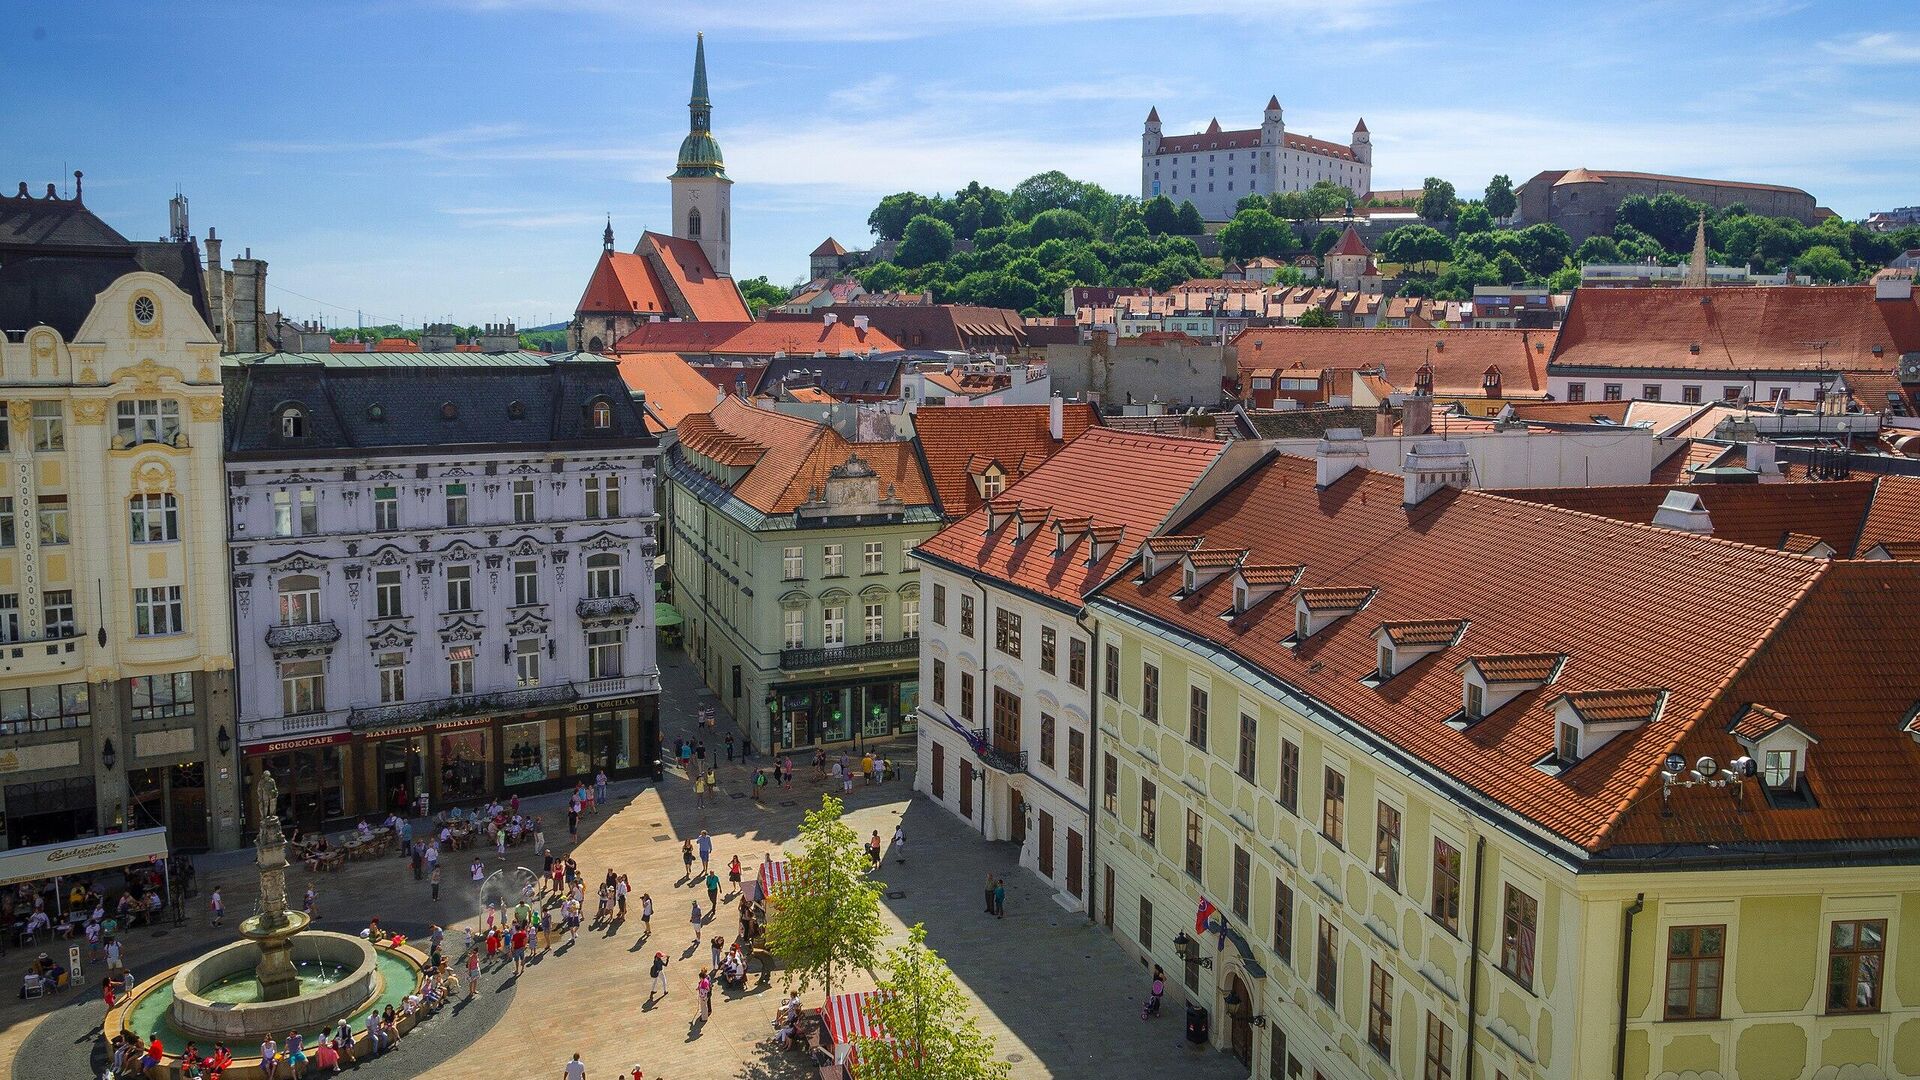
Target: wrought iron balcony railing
(866,653)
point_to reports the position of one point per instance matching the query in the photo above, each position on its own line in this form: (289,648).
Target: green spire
(699,151)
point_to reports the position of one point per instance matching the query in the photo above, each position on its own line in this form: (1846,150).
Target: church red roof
(646,281)
(1350,244)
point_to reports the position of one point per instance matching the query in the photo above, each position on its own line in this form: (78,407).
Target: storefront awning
(665,615)
(82,856)
(850,1016)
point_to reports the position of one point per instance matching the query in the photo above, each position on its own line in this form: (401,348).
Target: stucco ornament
(89,412)
(152,477)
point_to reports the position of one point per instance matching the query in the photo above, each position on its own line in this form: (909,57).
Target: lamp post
(107,755)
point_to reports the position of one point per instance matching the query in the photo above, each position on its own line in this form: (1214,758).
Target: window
(1611,391)
(1476,701)
(1290,776)
(1146,924)
(303,687)
(1650,391)
(1781,768)
(1076,757)
(1077,663)
(1242,882)
(1148,817)
(603,575)
(873,559)
(1326,962)
(907,561)
(992,484)
(146,420)
(526,582)
(601,415)
(939,605)
(793,563)
(393,678)
(49,429)
(1445,907)
(793,623)
(293,424)
(1248,732)
(833,560)
(53,520)
(833,626)
(966,616)
(299,600)
(1856,956)
(296,512)
(966,695)
(910,616)
(1196,844)
(1694,958)
(157,610)
(456,498)
(1111,676)
(386,509)
(460,588)
(1110,784)
(875,619)
(1046,740)
(1333,809)
(526,661)
(1519,917)
(1439,1065)
(153,519)
(1576,391)
(162,697)
(43,708)
(1047,650)
(1386,845)
(523,501)
(604,648)
(6,521)
(1150,692)
(603,495)
(386,594)
(1566,748)
(1380,1012)
(1732,393)
(1690,395)
(939,683)
(1006,631)
(460,670)
(10,617)
(1283,921)
(1197,717)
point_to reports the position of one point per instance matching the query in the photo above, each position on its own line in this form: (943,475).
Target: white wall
(1515,459)
(1712,385)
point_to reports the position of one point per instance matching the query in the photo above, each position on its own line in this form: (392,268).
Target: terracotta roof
(1600,176)
(787,456)
(959,327)
(622,282)
(1016,436)
(1173,544)
(1800,543)
(1757,514)
(1895,512)
(1350,244)
(646,281)
(1077,483)
(395,344)
(1459,358)
(1907,550)
(1616,706)
(1423,631)
(1763,328)
(1535,667)
(754,339)
(812,395)
(1336,597)
(672,387)
(829,246)
(1757,722)
(1248,138)
(1269,575)
(1716,625)
(1215,558)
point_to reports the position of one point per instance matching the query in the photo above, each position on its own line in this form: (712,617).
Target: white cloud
(1875,48)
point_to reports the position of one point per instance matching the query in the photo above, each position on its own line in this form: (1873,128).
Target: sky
(407,160)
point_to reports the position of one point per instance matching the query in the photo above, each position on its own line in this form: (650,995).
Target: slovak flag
(1200,920)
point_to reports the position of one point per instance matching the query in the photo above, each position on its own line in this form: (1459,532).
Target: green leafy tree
(1825,264)
(889,219)
(1055,190)
(1475,218)
(929,1019)
(1060,225)
(881,277)
(1324,242)
(762,294)
(826,922)
(1188,222)
(1667,218)
(1318,317)
(1160,216)
(1256,232)
(927,239)
(1436,200)
(1415,244)
(1597,249)
(1508,268)
(1501,201)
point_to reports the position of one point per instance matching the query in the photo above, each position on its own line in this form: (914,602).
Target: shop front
(173,797)
(841,713)
(311,777)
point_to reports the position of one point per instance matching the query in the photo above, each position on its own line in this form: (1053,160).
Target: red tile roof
(1459,358)
(1757,514)
(1616,706)
(1895,513)
(754,339)
(1423,631)
(622,282)
(666,276)
(829,246)
(786,456)
(672,387)
(1077,482)
(1336,597)
(1269,575)
(1536,667)
(1765,328)
(1215,139)
(958,443)
(1350,244)
(1716,626)
(1758,722)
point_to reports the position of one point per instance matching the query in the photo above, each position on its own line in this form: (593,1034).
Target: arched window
(293,422)
(299,600)
(602,416)
(693,223)
(603,575)
(596,345)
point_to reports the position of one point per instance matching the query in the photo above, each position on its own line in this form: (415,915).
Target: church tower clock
(702,196)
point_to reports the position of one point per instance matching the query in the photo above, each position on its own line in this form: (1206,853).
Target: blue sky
(417,160)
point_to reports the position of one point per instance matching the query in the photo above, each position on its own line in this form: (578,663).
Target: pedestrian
(500,840)
(786,771)
(900,843)
(836,772)
(575,1070)
(759,785)
(746,747)
(113,953)
(519,948)
(600,786)
(646,914)
(713,892)
(729,746)
(218,907)
(659,973)
(573,820)
(539,835)
(433,854)
(705,989)
(706,849)
(713,783)
(433,877)
(620,896)
(417,857)
(686,859)
(1000,898)
(308,905)
(473,971)
(696,921)
(989,894)
(700,791)
(873,849)
(733,874)
(700,752)
(866,767)
(714,946)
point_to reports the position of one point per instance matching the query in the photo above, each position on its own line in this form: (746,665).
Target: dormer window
(1779,747)
(1240,597)
(992,483)
(1188,580)
(1781,768)
(293,422)
(1587,720)
(1476,703)
(1423,380)
(1317,609)
(601,416)
(1386,662)
(1300,625)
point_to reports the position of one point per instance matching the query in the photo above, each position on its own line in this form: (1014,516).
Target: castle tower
(702,196)
(1150,138)
(1273,129)
(1362,144)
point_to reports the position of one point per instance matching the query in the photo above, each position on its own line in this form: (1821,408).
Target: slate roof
(1078,483)
(848,378)
(49,225)
(1714,625)
(56,256)
(1763,328)
(785,456)
(399,401)
(957,443)
(1757,514)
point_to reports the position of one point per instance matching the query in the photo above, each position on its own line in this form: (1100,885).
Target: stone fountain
(273,928)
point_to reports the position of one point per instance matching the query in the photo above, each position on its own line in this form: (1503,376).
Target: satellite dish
(1676,765)
(1707,768)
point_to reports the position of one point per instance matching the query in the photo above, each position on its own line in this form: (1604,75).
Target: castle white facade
(1215,169)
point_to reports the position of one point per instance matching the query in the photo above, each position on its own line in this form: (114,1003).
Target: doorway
(1240,1020)
(966,790)
(403,771)
(1074,858)
(187,806)
(1046,845)
(1016,816)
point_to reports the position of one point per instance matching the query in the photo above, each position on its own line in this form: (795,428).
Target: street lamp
(223,741)
(107,756)
(1184,948)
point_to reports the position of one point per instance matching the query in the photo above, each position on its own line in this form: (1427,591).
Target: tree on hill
(881,277)
(889,219)
(1188,222)
(1253,233)
(1825,264)
(1475,218)
(1060,225)
(1055,190)
(1413,244)
(1667,218)
(1501,202)
(926,239)
(1323,199)
(929,1019)
(1160,216)
(762,294)
(826,922)
(1436,200)
(1324,242)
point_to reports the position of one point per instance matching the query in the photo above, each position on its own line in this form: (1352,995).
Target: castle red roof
(1350,244)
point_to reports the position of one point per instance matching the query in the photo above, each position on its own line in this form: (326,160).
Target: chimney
(1340,452)
(860,323)
(1430,466)
(1683,510)
(1760,458)
(1893,285)
(829,319)
(217,292)
(1056,418)
(1383,420)
(1416,415)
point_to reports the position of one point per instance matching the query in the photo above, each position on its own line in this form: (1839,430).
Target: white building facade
(1215,169)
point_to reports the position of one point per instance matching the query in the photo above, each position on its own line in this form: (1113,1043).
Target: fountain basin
(211,1001)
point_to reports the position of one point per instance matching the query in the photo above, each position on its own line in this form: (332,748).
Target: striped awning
(848,1017)
(774,875)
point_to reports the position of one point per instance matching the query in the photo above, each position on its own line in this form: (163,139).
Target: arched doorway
(1239,1004)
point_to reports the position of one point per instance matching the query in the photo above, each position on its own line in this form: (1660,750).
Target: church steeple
(699,151)
(701,204)
(698,105)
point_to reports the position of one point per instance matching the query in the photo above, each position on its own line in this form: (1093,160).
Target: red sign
(285,745)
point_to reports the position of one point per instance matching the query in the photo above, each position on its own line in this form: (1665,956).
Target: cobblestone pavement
(1061,998)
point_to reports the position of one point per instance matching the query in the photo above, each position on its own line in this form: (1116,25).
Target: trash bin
(1196,1025)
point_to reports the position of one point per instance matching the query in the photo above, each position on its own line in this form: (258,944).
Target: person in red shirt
(155,1052)
(519,949)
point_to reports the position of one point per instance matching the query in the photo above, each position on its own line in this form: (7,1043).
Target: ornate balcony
(799,659)
(1002,760)
(415,712)
(620,607)
(311,635)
